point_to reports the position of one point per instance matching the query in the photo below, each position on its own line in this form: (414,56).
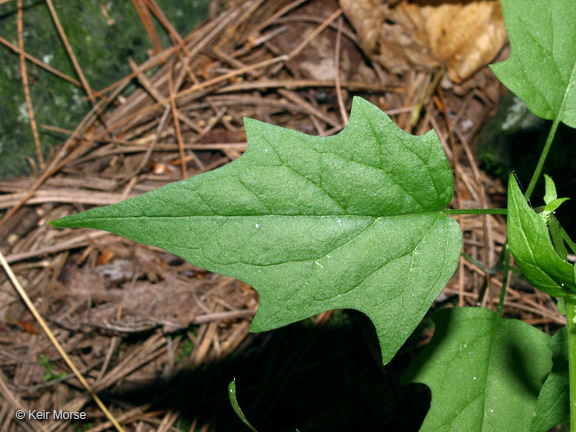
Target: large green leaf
(313,223)
(553,406)
(532,247)
(485,373)
(542,67)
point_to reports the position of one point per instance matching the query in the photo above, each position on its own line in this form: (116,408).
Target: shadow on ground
(325,378)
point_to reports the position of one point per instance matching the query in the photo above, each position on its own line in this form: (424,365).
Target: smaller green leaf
(551,208)
(236,406)
(552,203)
(553,406)
(532,247)
(550,194)
(541,69)
(485,373)
(554,227)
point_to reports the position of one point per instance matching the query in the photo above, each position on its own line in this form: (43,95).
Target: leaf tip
(65,222)
(57,223)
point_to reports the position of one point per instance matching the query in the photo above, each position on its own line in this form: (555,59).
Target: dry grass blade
(69,49)
(55,342)
(176,121)
(40,63)
(296,84)
(150,63)
(62,196)
(144,14)
(24,74)
(228,76)
(176,38)
(77,67)
(338,86)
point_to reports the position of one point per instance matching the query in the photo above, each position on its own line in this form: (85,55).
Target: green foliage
(532,247)
(49,375)
(542,67)
(484,372)
(551,207)
(313,223)
(236,405)
(551,199)
(550,195)
(356,221)
(553,403)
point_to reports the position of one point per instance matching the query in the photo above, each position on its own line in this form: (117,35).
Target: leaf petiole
(506,252)
(474,211)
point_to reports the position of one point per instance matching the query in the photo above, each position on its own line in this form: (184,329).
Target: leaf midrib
(329,215)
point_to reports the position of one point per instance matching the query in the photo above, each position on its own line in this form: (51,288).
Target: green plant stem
(504,279)
(568,240)
(571,327)
(542,159)
(474,211)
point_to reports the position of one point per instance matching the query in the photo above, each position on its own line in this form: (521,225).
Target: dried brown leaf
(463,35)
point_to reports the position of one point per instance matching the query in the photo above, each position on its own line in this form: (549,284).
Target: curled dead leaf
(463,35)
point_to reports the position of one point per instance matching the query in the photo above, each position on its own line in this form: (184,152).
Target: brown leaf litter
(125,313)
(461,35)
